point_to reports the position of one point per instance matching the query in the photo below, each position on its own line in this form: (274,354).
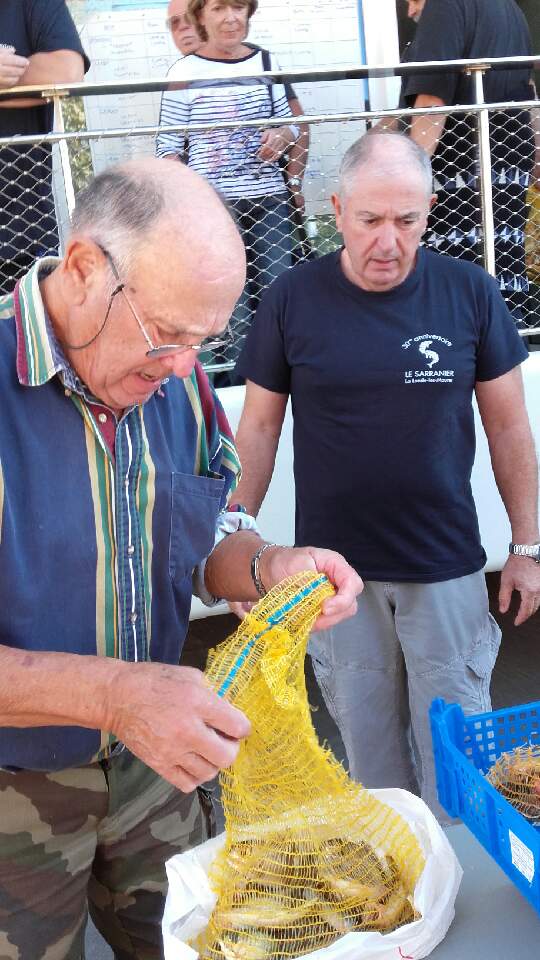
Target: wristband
(255,572)
(295,181)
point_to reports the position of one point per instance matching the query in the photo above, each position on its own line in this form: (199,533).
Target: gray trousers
(380,670)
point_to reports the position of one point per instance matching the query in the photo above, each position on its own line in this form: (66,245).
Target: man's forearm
(515,467)
(257,451)
(426,129)
(228,568)
(60,66)
(49,689)
(299,151)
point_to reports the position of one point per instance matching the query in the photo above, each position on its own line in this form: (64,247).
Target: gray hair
(362,151)
(117,210)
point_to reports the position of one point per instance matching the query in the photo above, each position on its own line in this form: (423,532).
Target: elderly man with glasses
(116,465)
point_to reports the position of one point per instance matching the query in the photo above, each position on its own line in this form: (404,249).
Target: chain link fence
(487,210)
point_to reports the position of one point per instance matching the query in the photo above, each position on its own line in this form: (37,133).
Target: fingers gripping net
(516,775)
(309,855)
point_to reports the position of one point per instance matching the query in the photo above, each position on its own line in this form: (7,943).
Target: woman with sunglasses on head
(241,163)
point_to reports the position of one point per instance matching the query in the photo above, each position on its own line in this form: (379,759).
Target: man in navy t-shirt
(39,44)
(381,347)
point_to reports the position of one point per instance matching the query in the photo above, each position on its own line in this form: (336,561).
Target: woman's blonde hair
(195,8)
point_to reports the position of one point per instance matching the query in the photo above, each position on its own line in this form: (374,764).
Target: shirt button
(102,418)
(131,550)
(133,617)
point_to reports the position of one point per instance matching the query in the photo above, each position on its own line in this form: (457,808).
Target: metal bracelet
(255,572)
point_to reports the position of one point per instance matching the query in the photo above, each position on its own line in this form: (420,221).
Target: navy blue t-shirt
(27,219)
(381,387)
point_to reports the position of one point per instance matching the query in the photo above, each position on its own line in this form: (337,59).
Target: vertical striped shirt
(102,523)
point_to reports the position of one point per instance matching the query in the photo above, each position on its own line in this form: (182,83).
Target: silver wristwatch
(531,550)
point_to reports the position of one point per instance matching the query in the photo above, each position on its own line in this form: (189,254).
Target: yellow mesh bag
(309,855)
(516,775)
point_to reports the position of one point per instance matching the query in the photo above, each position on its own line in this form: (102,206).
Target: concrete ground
(516,679)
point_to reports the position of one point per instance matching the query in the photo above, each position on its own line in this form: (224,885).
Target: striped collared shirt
(102,523)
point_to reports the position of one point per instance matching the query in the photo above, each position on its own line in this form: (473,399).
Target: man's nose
(386,236)
(179,364)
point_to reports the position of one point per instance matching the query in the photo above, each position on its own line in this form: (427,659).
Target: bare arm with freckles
(166,715)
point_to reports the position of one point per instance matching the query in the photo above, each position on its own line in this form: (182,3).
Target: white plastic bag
(190,900)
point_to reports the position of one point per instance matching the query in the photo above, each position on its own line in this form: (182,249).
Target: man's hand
(280,562)
(521,574)
(171,719)
(274,143)
(12,67)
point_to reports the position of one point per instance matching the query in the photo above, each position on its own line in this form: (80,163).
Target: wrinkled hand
(172,720)
(521,574)
(274,143)
(280,562)
(12,67)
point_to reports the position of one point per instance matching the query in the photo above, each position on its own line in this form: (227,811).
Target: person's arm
(60,66)
(174,111)
(166,715)
(298,157)
(426,129)
(228,570)
(278,140)
(228,573)
(502,408)
(256,441)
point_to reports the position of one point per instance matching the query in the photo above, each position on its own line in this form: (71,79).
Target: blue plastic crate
(465,748)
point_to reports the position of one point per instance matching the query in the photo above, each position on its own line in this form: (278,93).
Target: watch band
(531,550)
(255,572)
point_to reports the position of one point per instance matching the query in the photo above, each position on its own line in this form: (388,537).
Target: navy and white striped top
(226,157)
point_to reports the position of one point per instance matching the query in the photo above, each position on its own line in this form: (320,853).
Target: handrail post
(486,185)
(64,155)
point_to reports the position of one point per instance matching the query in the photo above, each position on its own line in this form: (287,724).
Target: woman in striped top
(243,163)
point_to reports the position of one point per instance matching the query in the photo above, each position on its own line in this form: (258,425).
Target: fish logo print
(431,356)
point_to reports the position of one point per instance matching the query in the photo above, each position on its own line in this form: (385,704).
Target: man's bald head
(385,155)
(159,235)
(136,205)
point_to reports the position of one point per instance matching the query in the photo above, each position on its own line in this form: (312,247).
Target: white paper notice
(522,857)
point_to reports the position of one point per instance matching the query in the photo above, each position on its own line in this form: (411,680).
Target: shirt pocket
(195,504)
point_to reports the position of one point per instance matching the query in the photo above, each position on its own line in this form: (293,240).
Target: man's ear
(338,209)
(433,200)
(82,263)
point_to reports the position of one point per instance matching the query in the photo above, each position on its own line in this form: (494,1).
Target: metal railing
(484,184)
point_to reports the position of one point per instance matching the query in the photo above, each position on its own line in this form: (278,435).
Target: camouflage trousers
(90,839)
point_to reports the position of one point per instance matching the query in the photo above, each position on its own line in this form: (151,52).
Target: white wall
(276,518)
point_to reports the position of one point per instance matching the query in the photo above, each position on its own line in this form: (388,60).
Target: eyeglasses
(174,22)
(167,349)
